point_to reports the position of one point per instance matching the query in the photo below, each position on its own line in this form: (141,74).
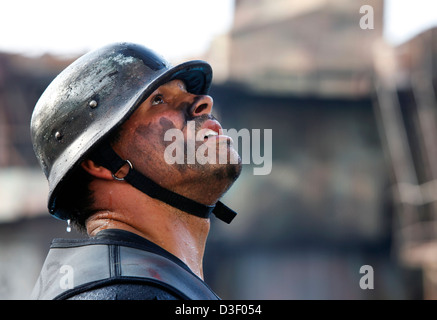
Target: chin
(228,172)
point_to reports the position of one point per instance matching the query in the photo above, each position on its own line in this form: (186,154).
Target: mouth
(209,133)
(212,129)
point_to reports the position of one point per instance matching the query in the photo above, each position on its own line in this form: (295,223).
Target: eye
(158,99)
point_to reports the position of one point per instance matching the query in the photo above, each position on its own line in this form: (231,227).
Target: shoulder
(126,291)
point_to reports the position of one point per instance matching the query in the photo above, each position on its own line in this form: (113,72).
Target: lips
(210,133)
(211,128)
(212,125)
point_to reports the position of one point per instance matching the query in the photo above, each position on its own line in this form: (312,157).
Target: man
(99,133)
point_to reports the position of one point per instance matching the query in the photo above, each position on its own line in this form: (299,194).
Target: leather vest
(76,266)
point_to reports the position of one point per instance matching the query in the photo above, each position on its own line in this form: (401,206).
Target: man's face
(142,141)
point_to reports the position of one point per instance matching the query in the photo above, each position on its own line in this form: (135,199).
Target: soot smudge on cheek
(166,124)
(148,145)
(154,132)
(154,129)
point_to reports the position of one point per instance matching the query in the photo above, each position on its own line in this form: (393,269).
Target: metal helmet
(93,96)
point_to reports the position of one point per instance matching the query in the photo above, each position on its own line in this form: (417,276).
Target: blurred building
(22,80)
(314,47)
(407,112)
(25,228)
(304,69)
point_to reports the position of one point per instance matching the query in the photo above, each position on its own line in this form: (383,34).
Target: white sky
(406,18)
(174,28)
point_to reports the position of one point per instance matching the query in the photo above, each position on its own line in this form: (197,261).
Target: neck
(179,233)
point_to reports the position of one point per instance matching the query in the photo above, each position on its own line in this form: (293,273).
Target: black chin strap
(104,155)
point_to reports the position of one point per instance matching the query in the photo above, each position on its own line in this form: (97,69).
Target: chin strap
(106,156)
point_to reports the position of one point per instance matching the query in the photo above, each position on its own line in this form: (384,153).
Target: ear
(95,170)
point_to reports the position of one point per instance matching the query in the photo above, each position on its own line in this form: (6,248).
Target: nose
(202,105)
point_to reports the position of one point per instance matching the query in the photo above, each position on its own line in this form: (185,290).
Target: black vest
(76,266)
